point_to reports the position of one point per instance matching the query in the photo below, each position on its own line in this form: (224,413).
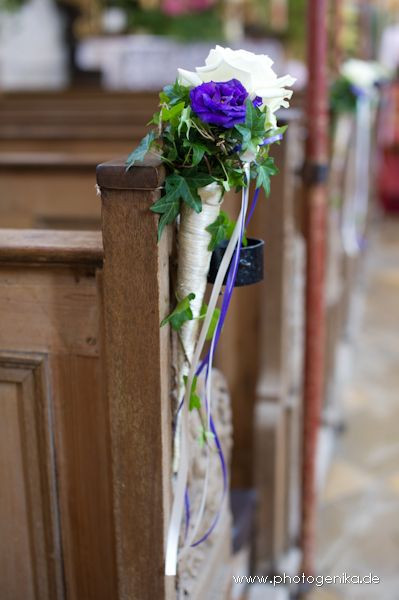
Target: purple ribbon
(187,512)
(272,139)
(253,205)
(225,478)
(358,91)
(231,277)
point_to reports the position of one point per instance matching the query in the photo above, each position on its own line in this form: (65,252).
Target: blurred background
(79,81)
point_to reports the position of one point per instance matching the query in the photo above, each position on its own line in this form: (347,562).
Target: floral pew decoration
(213,133)
(355,91)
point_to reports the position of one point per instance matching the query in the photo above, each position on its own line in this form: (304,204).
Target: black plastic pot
(250,268)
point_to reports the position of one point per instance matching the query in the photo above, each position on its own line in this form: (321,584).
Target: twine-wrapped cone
(194,261)
(193,265)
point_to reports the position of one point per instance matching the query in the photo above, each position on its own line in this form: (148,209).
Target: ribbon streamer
(208,379)
(356,207)
(179,502)
(231,277)
(272,139)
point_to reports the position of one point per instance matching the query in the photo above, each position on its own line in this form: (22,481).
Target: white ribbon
(355,208)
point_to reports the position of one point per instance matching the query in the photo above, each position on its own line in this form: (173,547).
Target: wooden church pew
(85,383)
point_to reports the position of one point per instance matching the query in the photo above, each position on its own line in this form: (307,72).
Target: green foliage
(139,153)
(186,189)
(168,206)
(177,189)
(213,323)
(180,314)
(172,94)
(265,170)
(218,230)
(222,229)
(195,400)
(171,114)
(12,5)
(342,97)
(198,150)
(204,25)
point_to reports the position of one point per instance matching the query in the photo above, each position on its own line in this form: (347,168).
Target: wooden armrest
(36,245)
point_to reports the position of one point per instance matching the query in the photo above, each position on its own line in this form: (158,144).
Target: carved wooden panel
(204,569)
(82,444)
(53,310)
(30,555)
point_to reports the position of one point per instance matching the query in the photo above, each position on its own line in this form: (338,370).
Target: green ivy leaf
(222,229)
(263,179)
(214,320)
(177,189)
(180,314)
(139,153)
(156,117)
(277,131)
(236,178)
(171,114)
(245,133)
(168,206)
(265,170)
(197,180)
(186,189)
(173,94)
(195,400)
(254,120)
(218,230)
(198,152)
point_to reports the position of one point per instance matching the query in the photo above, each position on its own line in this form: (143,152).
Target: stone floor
(359,515)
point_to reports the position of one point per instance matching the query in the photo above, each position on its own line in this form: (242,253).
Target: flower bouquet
(357,79)
(213,133)
(354,99)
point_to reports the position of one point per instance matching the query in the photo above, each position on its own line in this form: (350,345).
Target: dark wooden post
(136,298)
(316,218)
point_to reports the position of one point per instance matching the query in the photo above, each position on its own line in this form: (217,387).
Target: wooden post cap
(146,175)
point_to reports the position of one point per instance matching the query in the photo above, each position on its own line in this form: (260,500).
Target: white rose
(254,71)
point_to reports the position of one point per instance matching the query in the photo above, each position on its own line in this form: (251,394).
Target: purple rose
(220,103)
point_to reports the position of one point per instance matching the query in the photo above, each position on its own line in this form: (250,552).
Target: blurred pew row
(87,438)
(50,145)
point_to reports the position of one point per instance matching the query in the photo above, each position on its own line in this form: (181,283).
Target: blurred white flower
(363,74)
(254,71)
